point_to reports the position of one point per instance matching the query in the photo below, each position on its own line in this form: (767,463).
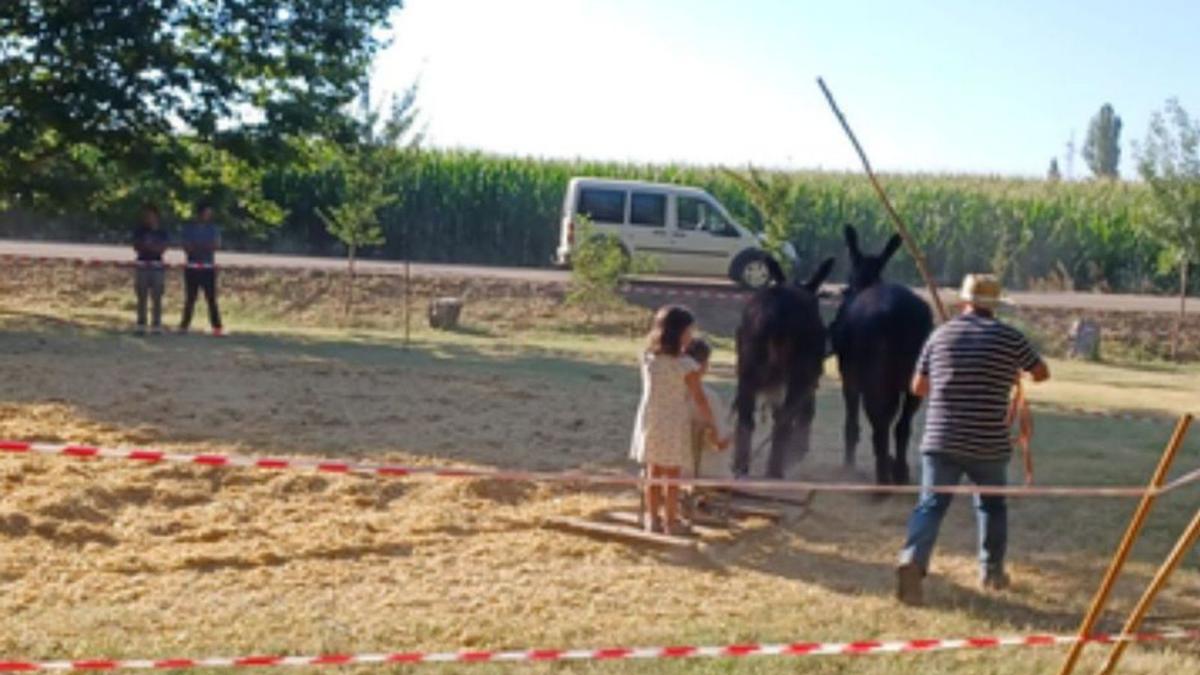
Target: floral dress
(663,430)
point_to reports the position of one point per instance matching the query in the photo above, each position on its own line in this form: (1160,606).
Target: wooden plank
(747,511)
(701,526)
(613,531)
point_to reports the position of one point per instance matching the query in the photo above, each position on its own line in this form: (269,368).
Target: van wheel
(750,270)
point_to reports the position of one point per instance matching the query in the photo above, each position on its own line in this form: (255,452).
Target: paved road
(1086,301)
(279,261)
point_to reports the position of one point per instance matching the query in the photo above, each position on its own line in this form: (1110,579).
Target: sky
(927,85)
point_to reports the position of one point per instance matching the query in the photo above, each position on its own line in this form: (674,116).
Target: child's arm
(696,391)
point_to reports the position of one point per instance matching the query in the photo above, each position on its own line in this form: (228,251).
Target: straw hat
(983,290)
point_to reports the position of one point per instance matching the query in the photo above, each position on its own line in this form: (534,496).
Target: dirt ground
(105,559)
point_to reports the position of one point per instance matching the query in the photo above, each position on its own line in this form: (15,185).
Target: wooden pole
(1131,535)
(407,288)
(1177,338)
(909,243)
(1184,544)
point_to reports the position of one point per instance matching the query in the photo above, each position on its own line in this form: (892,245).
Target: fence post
(1131,535)
(1184,544)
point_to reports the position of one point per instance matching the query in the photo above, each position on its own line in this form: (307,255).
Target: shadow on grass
(249,381)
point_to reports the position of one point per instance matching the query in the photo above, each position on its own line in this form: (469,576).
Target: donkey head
(866,270)
(814,282)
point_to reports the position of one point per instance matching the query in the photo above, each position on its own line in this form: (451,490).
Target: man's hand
(920,385)
(1040,372)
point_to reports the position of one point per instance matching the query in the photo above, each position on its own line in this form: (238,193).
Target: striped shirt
(972,362)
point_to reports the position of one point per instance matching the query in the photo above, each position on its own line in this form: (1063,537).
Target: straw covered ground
(107,559)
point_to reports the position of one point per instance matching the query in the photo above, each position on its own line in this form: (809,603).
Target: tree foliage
(1169,162)
(354,220)
(365,171)
(1102,149)
(598,263)
(771,195)
(1053,174)
(150,89)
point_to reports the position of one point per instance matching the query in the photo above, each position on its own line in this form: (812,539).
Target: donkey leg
(744,436)
(881,411)
(802,431)
(781,435)
(852,398)
(792,435)
(908,410)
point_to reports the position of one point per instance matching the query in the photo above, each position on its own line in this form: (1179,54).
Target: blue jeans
(991,511)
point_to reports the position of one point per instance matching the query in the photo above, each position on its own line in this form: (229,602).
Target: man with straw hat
(966,370)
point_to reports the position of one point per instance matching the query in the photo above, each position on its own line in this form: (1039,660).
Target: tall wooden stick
(407,289)
(909,243)
(1131,535)
(1184,544)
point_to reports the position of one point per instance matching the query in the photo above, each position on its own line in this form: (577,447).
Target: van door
(648,228)
(704,241)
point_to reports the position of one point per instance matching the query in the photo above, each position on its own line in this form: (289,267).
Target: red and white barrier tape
(795,649)
(100,262)
(683,290)
(400,471)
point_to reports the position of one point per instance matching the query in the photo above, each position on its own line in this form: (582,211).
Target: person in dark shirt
(966,370)
(149,242)
(201,238)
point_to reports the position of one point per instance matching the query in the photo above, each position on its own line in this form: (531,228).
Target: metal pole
(909,242)
(1122,553)
(1184,544)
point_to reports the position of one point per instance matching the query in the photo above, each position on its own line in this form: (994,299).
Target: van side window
(648,209)
(699,215)
(602,206)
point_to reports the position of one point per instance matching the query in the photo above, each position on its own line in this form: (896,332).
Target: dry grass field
(106,559)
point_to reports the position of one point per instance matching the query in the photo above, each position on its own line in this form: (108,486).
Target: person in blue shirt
(200,240)
(149,242)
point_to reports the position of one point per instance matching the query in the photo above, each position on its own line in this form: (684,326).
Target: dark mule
(877,335)
(781,348)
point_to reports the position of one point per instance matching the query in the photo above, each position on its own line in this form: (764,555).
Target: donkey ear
(775,270)
(814,282)
(852,243)
(893,245)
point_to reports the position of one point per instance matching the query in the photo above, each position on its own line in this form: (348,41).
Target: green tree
(355,220)
(598,264)
(771,195)
(1102,149)
(1053,174)
(147,89)
(366,169)
(1169,162)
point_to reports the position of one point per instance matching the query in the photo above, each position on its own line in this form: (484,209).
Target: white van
(683,229)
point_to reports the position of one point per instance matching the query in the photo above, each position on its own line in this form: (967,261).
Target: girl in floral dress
(662,431)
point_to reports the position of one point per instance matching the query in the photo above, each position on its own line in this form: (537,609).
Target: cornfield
(469,207)
(475,208)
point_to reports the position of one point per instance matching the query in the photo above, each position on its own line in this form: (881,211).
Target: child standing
(707,442)
(662,432)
